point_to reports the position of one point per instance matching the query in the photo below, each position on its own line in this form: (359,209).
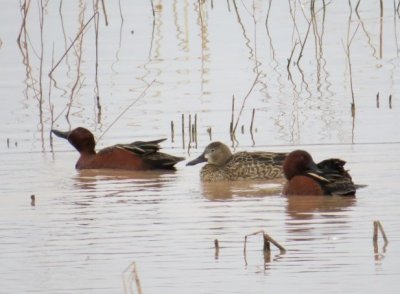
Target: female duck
(139,155)
(222,165)
(305,177)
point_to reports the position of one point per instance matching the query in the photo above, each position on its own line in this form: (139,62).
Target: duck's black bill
(199,159)
(61,134)
(316,172)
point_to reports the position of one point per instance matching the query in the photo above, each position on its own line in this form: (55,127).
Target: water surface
(88,227)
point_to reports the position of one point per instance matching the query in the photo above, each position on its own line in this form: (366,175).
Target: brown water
(88,227)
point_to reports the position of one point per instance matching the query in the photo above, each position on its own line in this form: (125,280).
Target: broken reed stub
(132,276)
(33,200)
(216,245)
(378,227)
(267,239)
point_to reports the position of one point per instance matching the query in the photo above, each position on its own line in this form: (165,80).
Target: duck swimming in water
(139,155)
(222,165)
(305,177)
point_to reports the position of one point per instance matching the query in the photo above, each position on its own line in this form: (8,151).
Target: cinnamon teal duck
(139,155)
(305,177)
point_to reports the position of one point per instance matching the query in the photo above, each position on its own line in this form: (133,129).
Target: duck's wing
(142,147)
(162,160)
(138,147)
(255,165)
(148,151)
(334,179)
(270,158)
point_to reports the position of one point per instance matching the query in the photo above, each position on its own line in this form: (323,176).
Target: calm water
(87,228)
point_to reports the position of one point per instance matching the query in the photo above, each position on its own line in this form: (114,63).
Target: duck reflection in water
(226,190)
(307,214)
(316,191)
(124,186)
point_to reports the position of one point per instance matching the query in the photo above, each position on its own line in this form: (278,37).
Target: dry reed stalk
(268,32)
(42,7)
(51,106)
(72,43)
(303,43)
(268,13)
(216,245)
(33,200)
(229,6)
(98,105)
(153,29)
(183,131)
(395,28)
(63,29)
(193,133)
(120,11)
(78,53)
(244,102)
(378,227)
(96,69)
(317,39)
(133,276)
(357,5)
(172,132)
(290,60)
(105,12)
(41,24)
(375,235)
(251,127)
(252,120)
(195,129)
(347,51)
(24,9)
(266,246)
(377,100)
(190,129)
(126,109)
(209,132)
(270,239)
(23,47)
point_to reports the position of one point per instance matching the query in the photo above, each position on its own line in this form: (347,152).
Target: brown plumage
(139,155)
(307,178)
(222,165)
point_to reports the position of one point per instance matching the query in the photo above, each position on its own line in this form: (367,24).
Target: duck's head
(298,162)
(216,153)
(82,139)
